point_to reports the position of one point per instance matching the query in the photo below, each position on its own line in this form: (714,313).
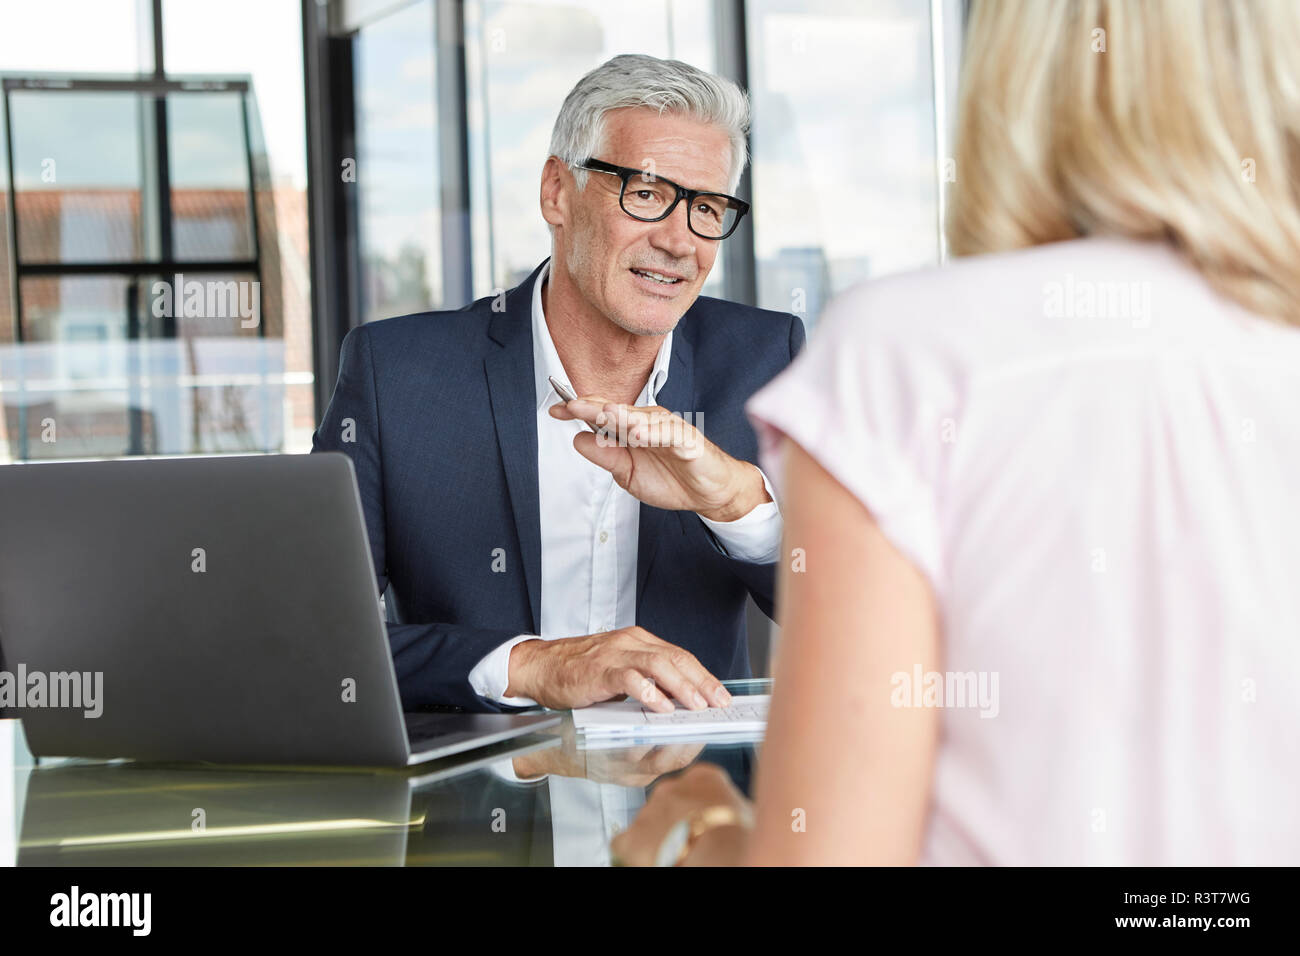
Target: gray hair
(667,86)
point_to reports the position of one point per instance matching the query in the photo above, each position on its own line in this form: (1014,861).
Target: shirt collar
(546,360)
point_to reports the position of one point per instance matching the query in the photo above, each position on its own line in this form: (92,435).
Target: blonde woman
(1046,607)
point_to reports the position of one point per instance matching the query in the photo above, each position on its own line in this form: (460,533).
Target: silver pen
(566,393)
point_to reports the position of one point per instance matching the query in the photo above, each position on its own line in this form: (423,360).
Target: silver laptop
(207,609)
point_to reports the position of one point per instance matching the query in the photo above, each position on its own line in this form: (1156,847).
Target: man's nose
(673,234)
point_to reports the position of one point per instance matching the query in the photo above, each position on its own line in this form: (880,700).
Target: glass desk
(536,801)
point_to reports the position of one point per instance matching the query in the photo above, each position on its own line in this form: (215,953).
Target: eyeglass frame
(625,173)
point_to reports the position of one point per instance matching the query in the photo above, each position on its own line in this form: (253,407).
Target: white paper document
(630,719)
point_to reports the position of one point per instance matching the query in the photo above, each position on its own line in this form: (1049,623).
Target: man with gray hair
(538,550)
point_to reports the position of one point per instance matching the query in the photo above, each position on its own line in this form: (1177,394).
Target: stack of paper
(628,721)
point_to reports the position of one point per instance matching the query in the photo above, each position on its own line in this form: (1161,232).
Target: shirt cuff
(491,676)
(754,537)
(505,770)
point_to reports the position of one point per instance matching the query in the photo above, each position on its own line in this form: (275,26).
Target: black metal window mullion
(252,208)
(13,222)
(13,265)
(740,279)
(331,203)
(165,267)
(451,95)
(166,242)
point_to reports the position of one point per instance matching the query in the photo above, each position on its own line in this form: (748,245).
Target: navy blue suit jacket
(443,434)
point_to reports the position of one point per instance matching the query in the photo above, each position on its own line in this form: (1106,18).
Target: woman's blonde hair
(1177,119)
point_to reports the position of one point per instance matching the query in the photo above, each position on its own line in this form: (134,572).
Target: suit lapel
(513,395)
(678,396)
(512,391)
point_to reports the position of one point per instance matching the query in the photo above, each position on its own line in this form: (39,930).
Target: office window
(161,239)
(79,173)
(210,186)
(72,374)
(261,40)
(522,59)
(91,36)
(397,174)
(113,351)
(844,145)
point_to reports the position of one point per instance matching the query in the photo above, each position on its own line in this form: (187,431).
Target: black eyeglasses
(652,198)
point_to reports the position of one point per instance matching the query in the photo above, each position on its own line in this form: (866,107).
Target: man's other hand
(580,671)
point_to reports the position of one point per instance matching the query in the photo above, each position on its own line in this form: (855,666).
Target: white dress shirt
(590,526)
(590,530)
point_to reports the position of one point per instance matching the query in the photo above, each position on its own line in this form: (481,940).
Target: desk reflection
(538,801)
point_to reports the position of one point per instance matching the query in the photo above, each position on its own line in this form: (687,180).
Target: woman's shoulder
(1101,286)
(1100,301)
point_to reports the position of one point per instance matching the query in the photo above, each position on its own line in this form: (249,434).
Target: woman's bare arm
(844,776)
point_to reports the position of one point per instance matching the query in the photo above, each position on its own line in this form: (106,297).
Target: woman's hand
(679,798)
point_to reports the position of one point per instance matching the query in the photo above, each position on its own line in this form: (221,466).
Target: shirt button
(604,536)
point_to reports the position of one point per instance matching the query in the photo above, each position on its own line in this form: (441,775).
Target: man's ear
(555,197)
